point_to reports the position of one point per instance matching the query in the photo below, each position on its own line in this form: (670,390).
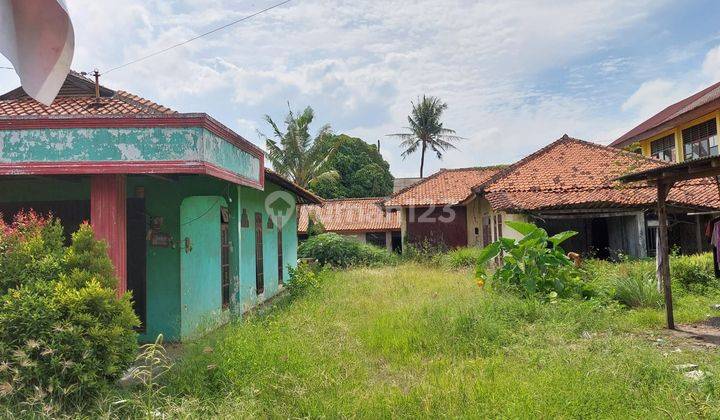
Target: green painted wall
(200,274)
(253,201)
(168,288)
(126,144)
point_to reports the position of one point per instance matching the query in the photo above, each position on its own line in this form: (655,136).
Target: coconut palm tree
(426,130)
(295,153)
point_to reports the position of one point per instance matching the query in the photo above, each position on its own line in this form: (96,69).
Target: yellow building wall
(679,149)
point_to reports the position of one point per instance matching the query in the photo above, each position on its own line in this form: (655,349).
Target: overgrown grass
(414,341)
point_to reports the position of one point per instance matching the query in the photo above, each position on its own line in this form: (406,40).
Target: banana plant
(534,264)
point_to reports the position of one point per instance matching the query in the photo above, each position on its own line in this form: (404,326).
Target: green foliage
(694,271)
(294,153)
(63,332)
(461,258)
(303,278)
(328,185)
(341,251)
(315,225)
(358,170)
(426,130)
(530,265)
(636,287)
(423,252)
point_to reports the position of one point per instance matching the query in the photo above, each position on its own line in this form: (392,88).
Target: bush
(461,258)
(63,333)
(341,251)
(303,278)
(535,264)
(693,271)
(636,287)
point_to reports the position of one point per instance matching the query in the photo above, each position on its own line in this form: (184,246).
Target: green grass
(412,341)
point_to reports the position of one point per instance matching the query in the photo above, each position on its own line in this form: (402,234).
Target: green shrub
(63,332)
(341,251)
(530,265)
(424,252)
(303,278)
(461,258)
(693,271)
(636,287)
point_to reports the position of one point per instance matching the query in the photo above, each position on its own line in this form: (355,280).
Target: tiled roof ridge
(141,102)
(562,140)
(355,199)
(435,175)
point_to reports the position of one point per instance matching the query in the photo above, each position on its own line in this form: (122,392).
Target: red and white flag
(37,37)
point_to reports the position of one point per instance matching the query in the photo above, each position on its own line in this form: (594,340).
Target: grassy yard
(412,341)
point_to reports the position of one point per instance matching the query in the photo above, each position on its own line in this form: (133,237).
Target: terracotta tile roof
(77,97)
(694,106)
(448,186)
(350,215)
(571,173)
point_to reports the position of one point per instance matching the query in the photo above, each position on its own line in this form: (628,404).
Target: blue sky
(515,74)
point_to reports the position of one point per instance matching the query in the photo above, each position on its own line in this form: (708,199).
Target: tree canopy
(294,153)
(353,169)
(426,130)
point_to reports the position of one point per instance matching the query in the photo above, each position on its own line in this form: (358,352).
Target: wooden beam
(663,252)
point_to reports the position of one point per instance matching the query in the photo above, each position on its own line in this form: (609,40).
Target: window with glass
(663,148)
(700,140)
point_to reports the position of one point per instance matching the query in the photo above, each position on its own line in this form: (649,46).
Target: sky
(516,75)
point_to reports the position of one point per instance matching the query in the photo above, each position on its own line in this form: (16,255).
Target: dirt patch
(706,333)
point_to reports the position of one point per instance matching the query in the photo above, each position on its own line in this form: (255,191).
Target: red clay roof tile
(571,173)
(448,186)
(350,215)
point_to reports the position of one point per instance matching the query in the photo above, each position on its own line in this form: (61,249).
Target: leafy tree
(295,153)
(360,168)
(426,130)
(371,181)
(328,185)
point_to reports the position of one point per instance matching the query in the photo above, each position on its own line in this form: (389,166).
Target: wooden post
(109,220)
(663,252)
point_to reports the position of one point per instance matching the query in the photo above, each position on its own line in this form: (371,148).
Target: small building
(362,219)
(568,185)
(442,210)
(571,185)
(683,131)
(197,228)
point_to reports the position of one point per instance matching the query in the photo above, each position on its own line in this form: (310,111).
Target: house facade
(567,185)
(362,219)
(685,130)
(443,211)
(197,228)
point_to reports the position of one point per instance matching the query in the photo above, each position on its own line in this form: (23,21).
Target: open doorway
(600,238)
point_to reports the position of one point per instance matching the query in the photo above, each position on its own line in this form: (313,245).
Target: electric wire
(143,58)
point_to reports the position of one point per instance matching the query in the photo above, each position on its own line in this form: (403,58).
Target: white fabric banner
(37,37)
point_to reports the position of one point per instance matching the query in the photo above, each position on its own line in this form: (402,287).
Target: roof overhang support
(663,251)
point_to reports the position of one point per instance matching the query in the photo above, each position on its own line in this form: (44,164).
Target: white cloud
(359,64)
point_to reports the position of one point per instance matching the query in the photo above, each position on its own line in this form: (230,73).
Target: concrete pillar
(388,241)
(108,218)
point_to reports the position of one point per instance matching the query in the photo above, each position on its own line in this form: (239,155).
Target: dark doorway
(137,256)
(397,242)
(259,265)
(70,212)
(600,238)
(225,257)
(280,254)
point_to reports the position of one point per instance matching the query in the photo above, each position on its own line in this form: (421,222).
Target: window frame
(666,148)
(700,140)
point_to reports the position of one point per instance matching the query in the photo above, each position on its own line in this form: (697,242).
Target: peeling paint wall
(126,145)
